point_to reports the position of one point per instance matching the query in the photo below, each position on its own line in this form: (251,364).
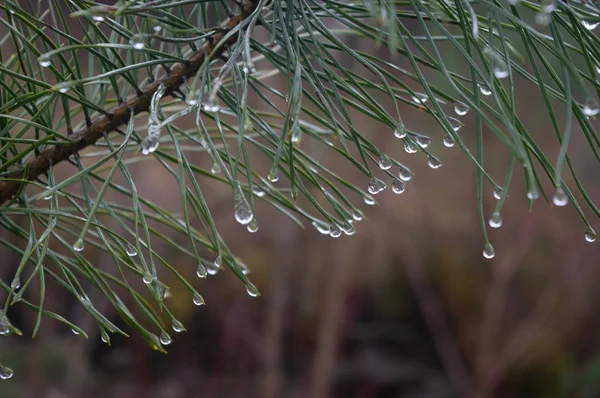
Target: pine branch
(120,115)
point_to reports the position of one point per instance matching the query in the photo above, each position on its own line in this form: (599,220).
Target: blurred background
(406,307)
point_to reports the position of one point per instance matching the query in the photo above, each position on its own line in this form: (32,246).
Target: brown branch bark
(120,115)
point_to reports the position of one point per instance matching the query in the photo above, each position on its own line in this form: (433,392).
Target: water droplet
(157,28)
(213,268)
(357,215)
(448,141)
(589,25)
(243,213)
(296,136)
(548,6)
(398,186)
(335,231)
(98,18)
(104,336)
(591,106)
(420,98)
(252,290)
(44,60)
(149,144)
(434,163)
(560,197)
(4,324)
(165,339)
(375,186)
(533,194)
(455,123)
(273,175)
(369,200)
(484,89)
(78,245)
(423,141)
(405,174)
(154,129)
(216,168)
(248,67)
(348,229)
(253,226)
(256,190)
(137,41)
(75,332)
(384,162)
(543,18)
(191,99)
(177,326)
(147,278)
(460,108)
(495,220)
(590,235)
(5,373)
(322,228)
(211,105)
(488,251)
(197,299)
(497,193)
(409,147)
(131,251)
(400,132)
(16,283)
(500,69)
(201,271)
(63,87)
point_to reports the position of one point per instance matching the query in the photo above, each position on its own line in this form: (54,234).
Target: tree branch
(121,114)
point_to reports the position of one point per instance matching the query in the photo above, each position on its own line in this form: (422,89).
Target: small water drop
(5,372)
(448,141)
(543,18)
(98,18)
(560,197)
(201,271)
(211,105)
(375,186)
(322,228)
(213,268)
(405,174)
(485,90)
(420,98)
(434,163)
(131,250)
(16,283)
(75,332)
(63,87)
(548,6)
(497,193)
(495,220)
(147,278)
(590,235)
(488,251)
(177,326)
(348,229)
(149,144)
(455,123)
(273,175)
(357,215)
(157,28)
(191,99)
(243,213)
(252,290)
(589,25)
(256,190)
(137,41)
(400,132)
(216,168)
(591,106)
(460,108)
(409,147)
(104,336)
(165,339)
(296,136)
(369,200)
(253,226)
(500,69)
(423,141)
(198,299)
(335,231)
(44,60)
(384,162)
(78,245)
(533,194)
(4,324)
(398,186)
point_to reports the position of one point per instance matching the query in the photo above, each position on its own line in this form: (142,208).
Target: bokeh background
(406,307)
